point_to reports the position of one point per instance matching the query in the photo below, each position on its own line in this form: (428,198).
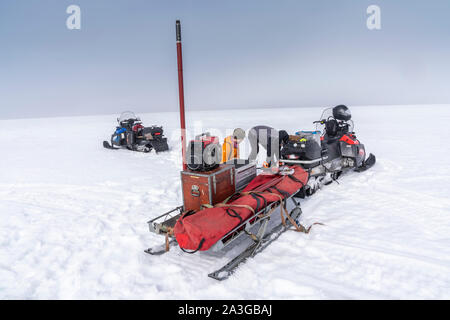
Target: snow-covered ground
(73,214)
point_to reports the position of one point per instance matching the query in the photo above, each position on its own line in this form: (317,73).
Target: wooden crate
(207,187)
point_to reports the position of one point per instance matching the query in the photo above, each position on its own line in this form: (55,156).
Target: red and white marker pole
(181,94)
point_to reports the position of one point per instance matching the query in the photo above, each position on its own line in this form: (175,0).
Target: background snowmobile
(328,155)
(132,135)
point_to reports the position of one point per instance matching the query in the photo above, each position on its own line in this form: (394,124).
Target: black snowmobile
(329,151)
(131,134)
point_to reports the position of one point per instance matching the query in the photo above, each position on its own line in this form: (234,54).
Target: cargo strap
(222,205)
(254,194)
(231,212)
(259,197)
(198,248)
(187,214)
(285,214)
(285,194)
(298,227)
(234,195)
(290,176)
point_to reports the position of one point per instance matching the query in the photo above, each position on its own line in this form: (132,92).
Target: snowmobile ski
(368,163)
(107,145)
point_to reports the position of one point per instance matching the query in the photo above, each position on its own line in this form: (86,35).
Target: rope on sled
(285,214)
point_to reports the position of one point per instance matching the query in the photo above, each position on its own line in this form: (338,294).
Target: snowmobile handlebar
(323,121)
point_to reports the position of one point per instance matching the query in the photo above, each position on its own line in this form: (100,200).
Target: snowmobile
(131,134)
(329,151)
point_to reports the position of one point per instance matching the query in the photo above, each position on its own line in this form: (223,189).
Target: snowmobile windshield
(126,115)
(351,126)
(327,114)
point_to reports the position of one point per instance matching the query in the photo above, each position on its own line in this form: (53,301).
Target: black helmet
(283,136)
(341,112)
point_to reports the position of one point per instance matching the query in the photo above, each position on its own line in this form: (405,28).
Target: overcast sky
(237,54)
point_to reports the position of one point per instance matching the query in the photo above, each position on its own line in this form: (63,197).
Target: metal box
(244,173)
(207,188)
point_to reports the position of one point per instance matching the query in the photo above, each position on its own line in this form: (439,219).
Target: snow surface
(73,214)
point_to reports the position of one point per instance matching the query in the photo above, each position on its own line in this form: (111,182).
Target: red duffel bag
(201,229)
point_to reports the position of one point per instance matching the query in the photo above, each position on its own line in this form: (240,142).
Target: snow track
(73,215)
